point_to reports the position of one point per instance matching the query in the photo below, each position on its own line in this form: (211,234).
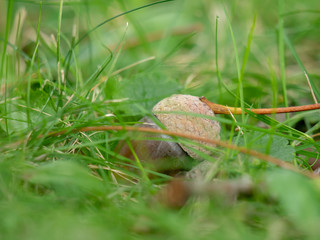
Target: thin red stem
(220,109)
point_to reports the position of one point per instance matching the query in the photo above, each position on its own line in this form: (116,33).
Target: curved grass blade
(279,126)
(68,56)
(296,57)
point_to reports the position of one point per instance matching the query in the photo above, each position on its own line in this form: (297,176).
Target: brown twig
(220,109)
(310,87)
(228,145)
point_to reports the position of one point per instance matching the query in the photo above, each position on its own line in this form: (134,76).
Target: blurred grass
(73,186)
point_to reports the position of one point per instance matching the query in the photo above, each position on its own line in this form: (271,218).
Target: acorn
(184,123)
(168,156)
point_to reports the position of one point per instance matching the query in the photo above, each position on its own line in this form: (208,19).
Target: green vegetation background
(70,64)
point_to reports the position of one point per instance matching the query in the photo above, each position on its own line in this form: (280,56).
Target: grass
(67,65)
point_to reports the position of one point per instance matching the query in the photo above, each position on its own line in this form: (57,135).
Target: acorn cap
(197,126)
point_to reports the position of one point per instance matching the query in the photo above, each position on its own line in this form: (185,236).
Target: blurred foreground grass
(60,68)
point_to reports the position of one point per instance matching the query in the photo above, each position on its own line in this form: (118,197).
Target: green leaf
(16,121)
(41,110)
(275,146)
(143,91)
(66,178)
(298,198)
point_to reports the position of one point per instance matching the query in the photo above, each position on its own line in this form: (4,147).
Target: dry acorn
(182,119)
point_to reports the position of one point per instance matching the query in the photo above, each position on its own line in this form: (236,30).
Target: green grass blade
(58,47)
(279,126)
(247,51)
(244,63)
(217,62)
(29,86)
(16,49)
(38,39)
(282,54)
(141,168)
(59,31)
(5,41)
(301,65)
(5,98)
